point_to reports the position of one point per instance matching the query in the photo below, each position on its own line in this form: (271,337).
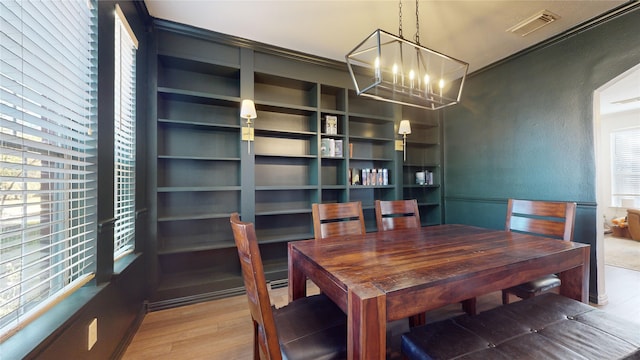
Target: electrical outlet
(92,333)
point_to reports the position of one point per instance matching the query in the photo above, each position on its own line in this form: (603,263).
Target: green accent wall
(524,128)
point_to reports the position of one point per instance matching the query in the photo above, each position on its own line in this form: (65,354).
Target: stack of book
(368,177)
(330,147)
(424,177)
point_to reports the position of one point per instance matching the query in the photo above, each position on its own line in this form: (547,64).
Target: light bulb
(395,73)
(426,84)
(412,74)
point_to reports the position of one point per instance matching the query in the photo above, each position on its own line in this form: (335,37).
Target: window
(625,168)
(125,135)
(47,153)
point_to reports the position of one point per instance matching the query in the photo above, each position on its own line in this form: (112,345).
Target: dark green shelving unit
(204,172)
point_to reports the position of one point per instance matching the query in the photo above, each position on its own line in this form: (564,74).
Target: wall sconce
(404,129)
(248,111)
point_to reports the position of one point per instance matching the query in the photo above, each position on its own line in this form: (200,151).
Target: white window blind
(625,168)
(47,154)
(125,136)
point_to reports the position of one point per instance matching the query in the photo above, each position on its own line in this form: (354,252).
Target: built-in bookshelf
(286,161)
(204,171)
(423,156)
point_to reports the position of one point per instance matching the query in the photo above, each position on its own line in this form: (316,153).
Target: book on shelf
(331,125)
(327,147)
(355,176)
(338,148)
(368,177)
(424,177)
(365,177)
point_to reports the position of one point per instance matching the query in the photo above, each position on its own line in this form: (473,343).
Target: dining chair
(334,219)
(546,218)
(404,214)
(308,328)
(397,214)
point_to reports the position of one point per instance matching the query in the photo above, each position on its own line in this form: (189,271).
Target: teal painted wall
(524,128)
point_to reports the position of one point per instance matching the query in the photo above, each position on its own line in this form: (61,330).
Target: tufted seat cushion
(548,326)
(311,328)
(537,286)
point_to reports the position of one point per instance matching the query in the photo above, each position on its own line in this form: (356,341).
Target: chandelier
(390,68)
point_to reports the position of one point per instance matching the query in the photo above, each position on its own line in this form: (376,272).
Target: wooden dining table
(384,276)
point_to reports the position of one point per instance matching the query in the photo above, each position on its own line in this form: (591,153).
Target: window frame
(50,138)
(625,167)
(125,122)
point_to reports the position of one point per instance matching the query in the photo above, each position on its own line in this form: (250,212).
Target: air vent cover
(544,17)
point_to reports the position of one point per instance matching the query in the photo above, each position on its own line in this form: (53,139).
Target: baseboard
(194,299)
(131,332)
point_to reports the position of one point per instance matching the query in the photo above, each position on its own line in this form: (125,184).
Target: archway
(619,101)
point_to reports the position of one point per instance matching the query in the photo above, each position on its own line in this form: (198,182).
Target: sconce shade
(248,110)
(389,68)
(404,128)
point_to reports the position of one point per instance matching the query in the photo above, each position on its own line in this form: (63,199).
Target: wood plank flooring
(222,329)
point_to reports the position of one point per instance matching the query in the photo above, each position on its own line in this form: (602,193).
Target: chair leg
(469,306)
(505,297)
(256,342)
(417,320)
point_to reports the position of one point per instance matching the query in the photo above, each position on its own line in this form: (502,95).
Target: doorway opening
(616,110)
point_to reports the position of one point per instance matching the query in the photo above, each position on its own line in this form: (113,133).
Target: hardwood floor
(623,291)
(222,329)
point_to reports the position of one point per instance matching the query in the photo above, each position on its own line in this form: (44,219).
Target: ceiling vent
(544,17)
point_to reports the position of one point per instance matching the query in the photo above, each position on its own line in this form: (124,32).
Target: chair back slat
(334,219)
(548,218)
(256,285)
(397,214)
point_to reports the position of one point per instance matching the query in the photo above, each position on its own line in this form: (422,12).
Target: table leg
(297,279)
(366,323)
(575,282)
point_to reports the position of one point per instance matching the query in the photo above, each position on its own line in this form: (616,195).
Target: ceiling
(474,31)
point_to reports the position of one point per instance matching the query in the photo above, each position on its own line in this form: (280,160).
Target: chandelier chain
(400,19)
(417,24)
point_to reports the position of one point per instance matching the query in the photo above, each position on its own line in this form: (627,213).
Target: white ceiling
(474,31)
